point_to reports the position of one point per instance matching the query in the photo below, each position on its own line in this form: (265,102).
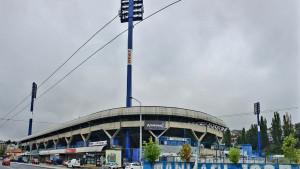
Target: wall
(182,165)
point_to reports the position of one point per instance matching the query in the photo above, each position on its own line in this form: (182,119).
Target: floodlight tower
(131,10)
(257,112)
(33,96)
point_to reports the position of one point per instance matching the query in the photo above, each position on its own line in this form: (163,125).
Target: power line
(32,121)
(16,106)
(264,111)
(89,58)
(62,64)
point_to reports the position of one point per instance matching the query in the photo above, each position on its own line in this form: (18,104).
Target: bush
(186,152)
(234,155)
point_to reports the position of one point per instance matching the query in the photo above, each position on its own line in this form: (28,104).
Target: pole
(259,139)
(196,161)
(33,95)
(141,133)
(129,66)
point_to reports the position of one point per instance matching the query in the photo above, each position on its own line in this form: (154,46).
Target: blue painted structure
(129,66)
(247,148)
(175,142)
(127,145)
(33,95)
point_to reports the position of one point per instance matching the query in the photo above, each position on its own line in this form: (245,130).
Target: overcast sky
(214,56)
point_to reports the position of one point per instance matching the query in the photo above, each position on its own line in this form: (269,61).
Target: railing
(246,160)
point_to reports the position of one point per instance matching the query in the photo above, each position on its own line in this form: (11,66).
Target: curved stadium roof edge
(156,110)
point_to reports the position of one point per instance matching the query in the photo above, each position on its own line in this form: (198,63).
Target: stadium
(88,138)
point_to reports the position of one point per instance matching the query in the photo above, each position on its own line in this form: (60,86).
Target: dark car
(6,162)
(35,161)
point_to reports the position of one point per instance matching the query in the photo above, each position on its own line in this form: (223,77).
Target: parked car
(110,166)
(64,163)
(49,162)
(73,163)
(25,160)
(133,166)
(35,161)
(6,162)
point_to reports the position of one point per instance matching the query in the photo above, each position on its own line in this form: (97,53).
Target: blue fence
(183,165)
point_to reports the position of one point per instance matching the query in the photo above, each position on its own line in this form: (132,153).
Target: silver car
(110,166)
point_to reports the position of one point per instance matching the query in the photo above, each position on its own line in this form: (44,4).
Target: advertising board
(154,125)
(114,156)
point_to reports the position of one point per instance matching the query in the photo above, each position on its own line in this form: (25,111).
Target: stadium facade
(87,138)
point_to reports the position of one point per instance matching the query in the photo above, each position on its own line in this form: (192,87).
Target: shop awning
(77,150)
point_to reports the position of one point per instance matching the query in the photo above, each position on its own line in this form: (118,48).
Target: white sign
(177,138)
(98,143)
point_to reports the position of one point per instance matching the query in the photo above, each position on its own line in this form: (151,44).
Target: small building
(13,154)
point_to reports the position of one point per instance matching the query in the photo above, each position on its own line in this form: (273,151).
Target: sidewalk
(55,166)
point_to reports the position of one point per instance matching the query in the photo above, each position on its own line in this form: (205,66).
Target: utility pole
(257,112)
(131,10)
(33,96)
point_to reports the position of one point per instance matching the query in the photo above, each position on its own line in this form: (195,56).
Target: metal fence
(245,160)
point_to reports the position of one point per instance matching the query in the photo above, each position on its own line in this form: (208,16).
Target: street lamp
(140,129)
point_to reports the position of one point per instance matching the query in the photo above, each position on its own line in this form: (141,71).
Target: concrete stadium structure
(118,129)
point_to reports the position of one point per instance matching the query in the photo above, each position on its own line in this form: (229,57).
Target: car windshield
(6,159)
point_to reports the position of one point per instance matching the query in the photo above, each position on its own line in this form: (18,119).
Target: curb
(42,166)
(55,167)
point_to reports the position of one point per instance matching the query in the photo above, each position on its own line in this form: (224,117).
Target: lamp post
(140,159)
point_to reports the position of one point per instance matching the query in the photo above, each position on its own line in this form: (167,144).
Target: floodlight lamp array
(138,10)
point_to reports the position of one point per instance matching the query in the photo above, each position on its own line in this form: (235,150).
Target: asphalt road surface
(19,166)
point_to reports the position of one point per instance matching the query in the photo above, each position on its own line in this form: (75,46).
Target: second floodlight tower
(131,10)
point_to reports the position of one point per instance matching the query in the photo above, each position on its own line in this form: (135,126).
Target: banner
(154,125)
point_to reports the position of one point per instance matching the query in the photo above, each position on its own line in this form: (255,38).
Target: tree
(264,132)
(227,137)
(289,149)
(297,133)
(8,142)
(234,155)
(251,136)
(243,136)
(276,130)
(186,152)
(239,140)
(2,150)
(152,150)
(287,125)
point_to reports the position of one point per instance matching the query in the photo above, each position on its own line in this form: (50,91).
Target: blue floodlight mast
(33,96)
(131,10)
(257,112)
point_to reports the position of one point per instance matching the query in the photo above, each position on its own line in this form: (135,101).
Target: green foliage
(297,133)
(243,136)
(227,137)
(276,129)
(186,152)
(2,150)
(287,125)
(239,140)
(289,149)
(251,136)
(264,132)
(234,155)
(152,150)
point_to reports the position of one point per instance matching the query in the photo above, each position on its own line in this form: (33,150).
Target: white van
(73,163)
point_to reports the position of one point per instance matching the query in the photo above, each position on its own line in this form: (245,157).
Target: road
(26,166)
